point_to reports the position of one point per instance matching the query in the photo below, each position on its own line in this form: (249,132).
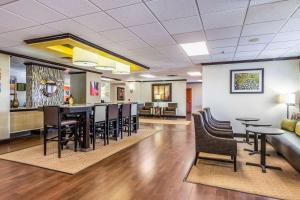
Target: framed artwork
(162,92)
(94,88)
(120,94)
(247,81)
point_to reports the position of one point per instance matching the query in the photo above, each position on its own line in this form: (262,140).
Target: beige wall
(78,87)
(4,96)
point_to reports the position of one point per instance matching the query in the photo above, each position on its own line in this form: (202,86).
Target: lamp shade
(84,58)
(121,69)
(105,64)
(288,98)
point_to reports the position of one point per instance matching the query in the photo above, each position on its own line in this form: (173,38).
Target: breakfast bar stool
(112,123)
(53,121)
(134,117)
(99,124)
(125,119)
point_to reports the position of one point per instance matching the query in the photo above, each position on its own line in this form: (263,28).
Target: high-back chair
(216,125)
(214,121)
(125,120)
(99,124)
(112,121)
(53,121)
(134,117)
(207,143)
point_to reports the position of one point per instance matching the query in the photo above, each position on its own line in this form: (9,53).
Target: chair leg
(45,140)
(59,143)
(75,138)
(196,158)
(234,163)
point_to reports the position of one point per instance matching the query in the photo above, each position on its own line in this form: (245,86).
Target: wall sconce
(131,87)
(289,100)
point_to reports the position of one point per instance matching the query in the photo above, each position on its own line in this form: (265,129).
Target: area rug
(277,184)
(166,121)
(73,162)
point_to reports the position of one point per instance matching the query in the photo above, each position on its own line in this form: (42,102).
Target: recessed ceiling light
(195,48)
(253,40)
(147,75)
(194,73)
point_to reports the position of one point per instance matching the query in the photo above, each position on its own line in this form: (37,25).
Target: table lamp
(289,100)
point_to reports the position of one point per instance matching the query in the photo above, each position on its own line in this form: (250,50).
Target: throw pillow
(297,129)
(288,124)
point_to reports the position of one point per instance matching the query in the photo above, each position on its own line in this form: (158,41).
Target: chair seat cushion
(68,122)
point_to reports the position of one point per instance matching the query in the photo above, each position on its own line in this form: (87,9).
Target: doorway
(189,100)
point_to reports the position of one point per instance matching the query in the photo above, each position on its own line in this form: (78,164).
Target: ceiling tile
(134,44)
(259,2)
(272,53)
(95,38)
(254,47)
(221,50)
(223,19)
(224,56)
(183,25)
(132,15)
(247,54)
(34,11)
(223,33)
(109,4)
(209,6)
(271,11)
(98,22)
(283,45)
(223,43)
(295,35)
(172,9)
(10,21)
(292,52)
(292,25)
(69,26)
(296,14)
(154,34)
(119,35)
(4,42)
(262,28)
(172,51)
(261,39)
(71,9)
(189,37)
(30,33)
(3,2)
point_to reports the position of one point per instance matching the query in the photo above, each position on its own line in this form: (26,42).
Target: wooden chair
(134,117)
(99,124)
(147,109)
(125,119)
(112,123)
(53,121)
(207,143)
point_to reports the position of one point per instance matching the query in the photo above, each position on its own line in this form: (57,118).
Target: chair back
(172,105)
(126,110)
(112,111)
(133,109)
(51,115)
(149,105)
(99,113)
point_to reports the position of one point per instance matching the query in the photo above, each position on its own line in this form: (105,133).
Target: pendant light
(105,64)
(84,58)
(121,69)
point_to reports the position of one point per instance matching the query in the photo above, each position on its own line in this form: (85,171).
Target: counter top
(20,109)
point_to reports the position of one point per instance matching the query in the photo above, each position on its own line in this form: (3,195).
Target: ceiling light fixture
(147,75)
(84,58)
(195,48)
(105,64)
(121,69)
(194,73)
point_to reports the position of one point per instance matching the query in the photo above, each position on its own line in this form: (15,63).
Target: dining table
(247,119)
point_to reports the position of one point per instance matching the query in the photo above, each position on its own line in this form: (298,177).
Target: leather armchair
(147,109)
(171,110)
(213,122)
(207,143)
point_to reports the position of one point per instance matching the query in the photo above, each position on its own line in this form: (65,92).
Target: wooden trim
(250,61)
(77,72)
(46,61)
(43,65)
(71,36)
(116,79)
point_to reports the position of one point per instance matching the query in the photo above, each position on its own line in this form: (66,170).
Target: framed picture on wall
(162,92)
(120,94)
(94,88)
(247,81)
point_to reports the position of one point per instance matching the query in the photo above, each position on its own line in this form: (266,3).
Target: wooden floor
(152,169)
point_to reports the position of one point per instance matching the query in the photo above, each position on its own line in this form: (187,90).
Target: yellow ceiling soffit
(62,48)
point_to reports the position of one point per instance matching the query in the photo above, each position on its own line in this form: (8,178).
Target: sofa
(287,145)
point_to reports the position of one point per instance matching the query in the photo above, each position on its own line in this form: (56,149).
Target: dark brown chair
(53,121)
(125,120)
(147,109)
(99,124)
(170,110)
(207,143)
(212,126)
(226,133)
(134,117)
(112,121)
(216,124)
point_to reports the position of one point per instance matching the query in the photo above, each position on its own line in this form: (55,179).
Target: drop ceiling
(150,31)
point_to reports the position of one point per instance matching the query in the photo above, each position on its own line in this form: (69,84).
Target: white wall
(196,96)
(20,73)
(4,96)
(281,77)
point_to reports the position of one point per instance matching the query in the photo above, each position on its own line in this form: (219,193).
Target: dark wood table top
(256,123)
(247,119)
(265,130)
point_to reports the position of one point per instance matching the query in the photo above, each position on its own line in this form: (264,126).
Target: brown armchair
(147,109)
(207,143)
(216,123)
(170,110)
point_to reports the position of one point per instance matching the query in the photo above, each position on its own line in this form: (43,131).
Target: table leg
(247,140)
(86,132)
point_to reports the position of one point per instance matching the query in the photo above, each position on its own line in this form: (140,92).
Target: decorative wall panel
(45,86)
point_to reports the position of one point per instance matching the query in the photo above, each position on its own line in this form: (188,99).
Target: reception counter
(25,119)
